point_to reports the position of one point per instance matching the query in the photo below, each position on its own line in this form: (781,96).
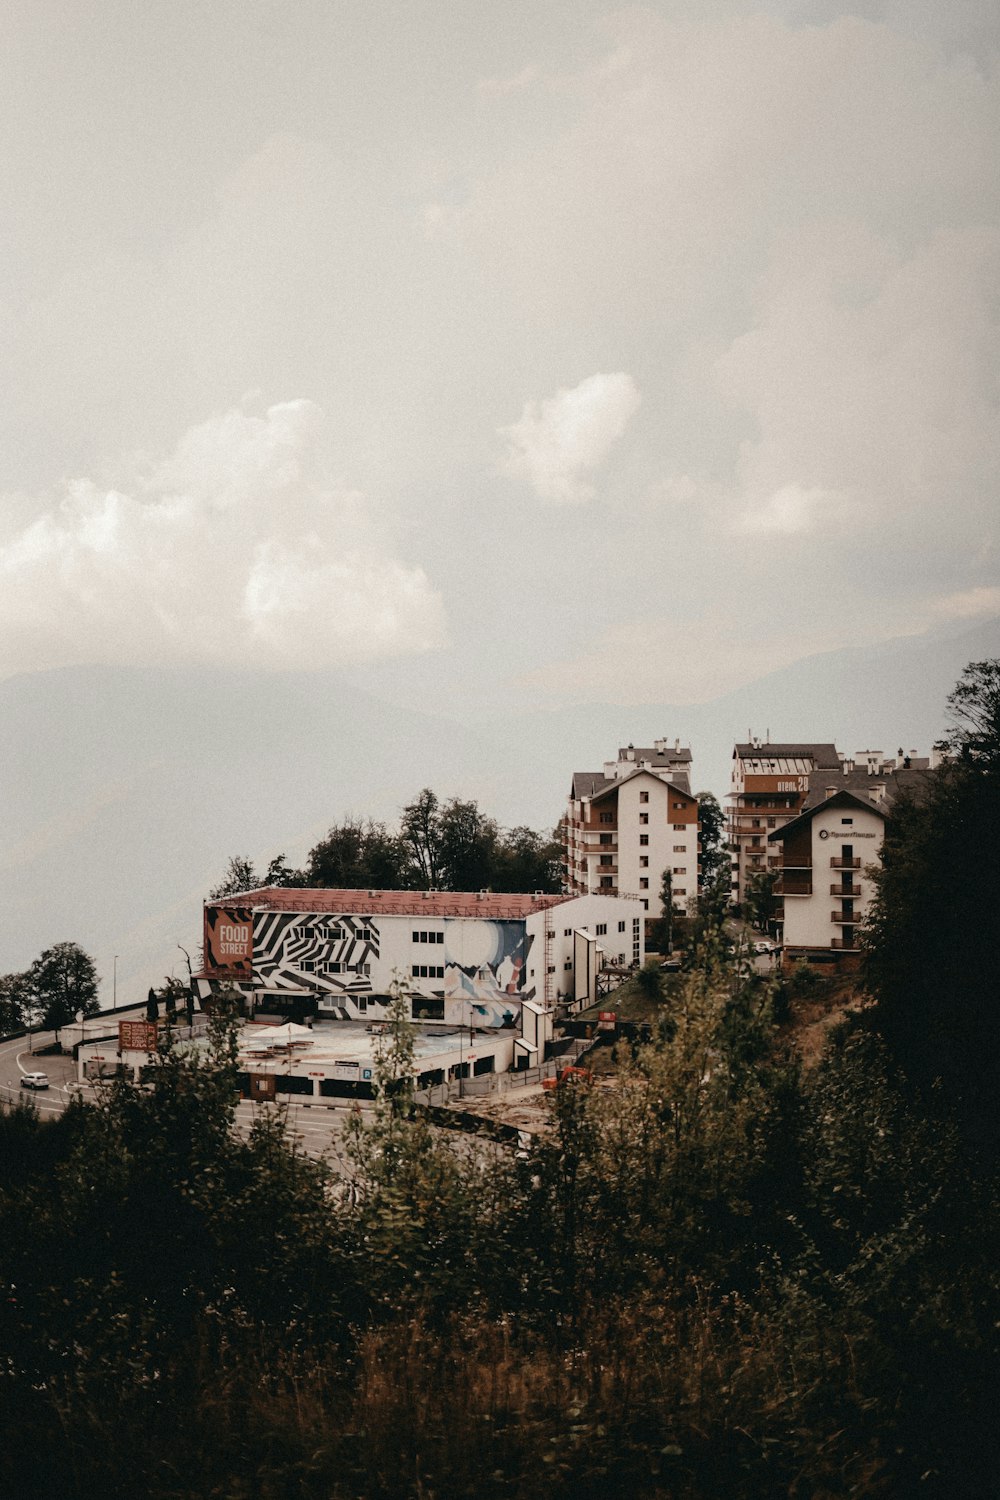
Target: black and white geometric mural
(328,955)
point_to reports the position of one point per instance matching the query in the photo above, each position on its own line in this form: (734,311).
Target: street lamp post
(114,984)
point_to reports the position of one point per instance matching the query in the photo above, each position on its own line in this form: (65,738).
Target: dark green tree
(932,941)
(469,844)
(358,854)
(714,851)
(240,876)
(667,911)
(63,980)
(15,1002)
(759,901)
(420,833)
(526,860)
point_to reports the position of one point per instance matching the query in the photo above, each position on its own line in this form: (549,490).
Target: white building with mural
(490,960)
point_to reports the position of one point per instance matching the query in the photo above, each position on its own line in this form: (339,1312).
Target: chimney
(677,746)
(831,791)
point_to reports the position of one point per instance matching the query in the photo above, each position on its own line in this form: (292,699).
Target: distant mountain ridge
(125,790)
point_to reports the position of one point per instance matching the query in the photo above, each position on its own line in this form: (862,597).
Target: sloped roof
(679,782)
(856,788)
(824,755)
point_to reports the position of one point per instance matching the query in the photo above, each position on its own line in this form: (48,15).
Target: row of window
(332,966)
(337,934)
(427,971)
(428,937)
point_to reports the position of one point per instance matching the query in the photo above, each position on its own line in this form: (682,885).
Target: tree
(240,876)
(931,941)
(63,980)
(279,872)
(760,902)
(15,1002)
(714,851)
(667,910)
(527,861)
(420,833)
(357,854)
(468,846)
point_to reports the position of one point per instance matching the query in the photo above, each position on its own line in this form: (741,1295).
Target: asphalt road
(317,1128)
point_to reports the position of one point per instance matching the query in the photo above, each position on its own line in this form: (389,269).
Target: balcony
(842,946)
(845,919)
(844,864)
(845,890)
(800,887)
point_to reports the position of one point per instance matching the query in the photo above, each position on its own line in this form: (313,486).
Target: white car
(763,947)
(35,1081)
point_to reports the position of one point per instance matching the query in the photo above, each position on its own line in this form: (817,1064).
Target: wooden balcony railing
(845,864)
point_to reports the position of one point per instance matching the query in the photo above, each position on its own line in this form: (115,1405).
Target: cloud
(969,604)
(229,551)
(558,442)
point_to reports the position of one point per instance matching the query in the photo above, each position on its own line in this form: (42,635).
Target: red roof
(493,904)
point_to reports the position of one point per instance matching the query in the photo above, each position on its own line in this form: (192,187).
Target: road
(316,1128)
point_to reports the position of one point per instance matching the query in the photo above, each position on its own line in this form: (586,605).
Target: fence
(503,1083)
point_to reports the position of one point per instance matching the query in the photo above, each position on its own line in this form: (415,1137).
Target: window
(568,964)
(643,883)
(621,926)
(644,817)
(606,882)
(644,861)
(567,932)
(551,969)
(606,818)
(428,937)
(771,822)
(606,859)
(334,966)
(601,929)
(365,934)
(425,1009)
(333,934)
(677,806)
(643,796)
(362,1004)
(604,838)
(645,906)
(847,820)
(679,827)
(427,971)
(680,848)
(644,838)
(307,965)
(680,870)
(681,891)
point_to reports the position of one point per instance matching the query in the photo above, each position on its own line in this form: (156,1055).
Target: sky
(502,357)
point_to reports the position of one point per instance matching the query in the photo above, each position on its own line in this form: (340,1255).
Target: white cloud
(969,604)
(229,551)
(792,510)
(559,442)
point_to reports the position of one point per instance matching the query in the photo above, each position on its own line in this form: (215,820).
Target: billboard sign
(137,1036)
(229,939)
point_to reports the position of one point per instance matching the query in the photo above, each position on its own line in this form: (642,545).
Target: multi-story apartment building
(627,824)
(768,788)
(828,851)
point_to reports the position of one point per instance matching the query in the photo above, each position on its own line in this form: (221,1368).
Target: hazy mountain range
(125,791)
